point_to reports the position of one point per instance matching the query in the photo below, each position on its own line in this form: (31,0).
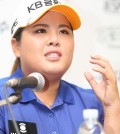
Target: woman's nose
(53,43)
(54,40)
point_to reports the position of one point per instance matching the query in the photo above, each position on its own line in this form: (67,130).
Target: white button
(54,132)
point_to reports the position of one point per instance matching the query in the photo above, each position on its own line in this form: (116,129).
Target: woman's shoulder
(4,80)
(78,88)
(87,95)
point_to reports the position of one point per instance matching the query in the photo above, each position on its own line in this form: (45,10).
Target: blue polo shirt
(33,117)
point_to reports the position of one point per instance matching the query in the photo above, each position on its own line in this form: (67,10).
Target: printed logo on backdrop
(110,36)
(3,27)
(112,6)
(109,39)
(40,4)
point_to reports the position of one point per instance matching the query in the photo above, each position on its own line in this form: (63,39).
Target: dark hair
(18,34)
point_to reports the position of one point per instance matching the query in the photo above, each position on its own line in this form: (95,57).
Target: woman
(43,42)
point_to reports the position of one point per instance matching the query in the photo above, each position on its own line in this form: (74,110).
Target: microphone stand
(14,98)
(18,97)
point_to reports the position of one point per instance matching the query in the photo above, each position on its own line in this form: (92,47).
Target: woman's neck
(48,94)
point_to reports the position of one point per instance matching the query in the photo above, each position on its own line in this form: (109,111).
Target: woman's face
(46,46)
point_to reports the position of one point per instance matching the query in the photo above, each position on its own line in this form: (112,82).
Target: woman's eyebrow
(46,25)
(38,25)
(64,25)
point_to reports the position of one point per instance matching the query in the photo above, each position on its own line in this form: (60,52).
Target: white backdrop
(99,34)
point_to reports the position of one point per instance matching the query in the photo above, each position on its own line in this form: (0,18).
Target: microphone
(34,80)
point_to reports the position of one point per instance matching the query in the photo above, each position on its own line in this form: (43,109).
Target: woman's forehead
(53,16)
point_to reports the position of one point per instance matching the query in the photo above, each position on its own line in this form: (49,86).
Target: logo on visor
(40,4)
(14,25)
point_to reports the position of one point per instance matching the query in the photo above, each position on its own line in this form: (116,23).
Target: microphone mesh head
(40,79)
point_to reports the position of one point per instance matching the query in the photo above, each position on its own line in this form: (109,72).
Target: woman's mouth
(53,55)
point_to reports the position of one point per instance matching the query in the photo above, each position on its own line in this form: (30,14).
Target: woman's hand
(107,91)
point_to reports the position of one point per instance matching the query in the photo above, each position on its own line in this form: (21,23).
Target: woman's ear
(15,47)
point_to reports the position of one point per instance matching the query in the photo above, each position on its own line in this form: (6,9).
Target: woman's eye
(64,32)
(40,31)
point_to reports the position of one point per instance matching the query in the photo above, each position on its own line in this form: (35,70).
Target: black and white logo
(14,25)
(24,127)
(112,6)
(39,4)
